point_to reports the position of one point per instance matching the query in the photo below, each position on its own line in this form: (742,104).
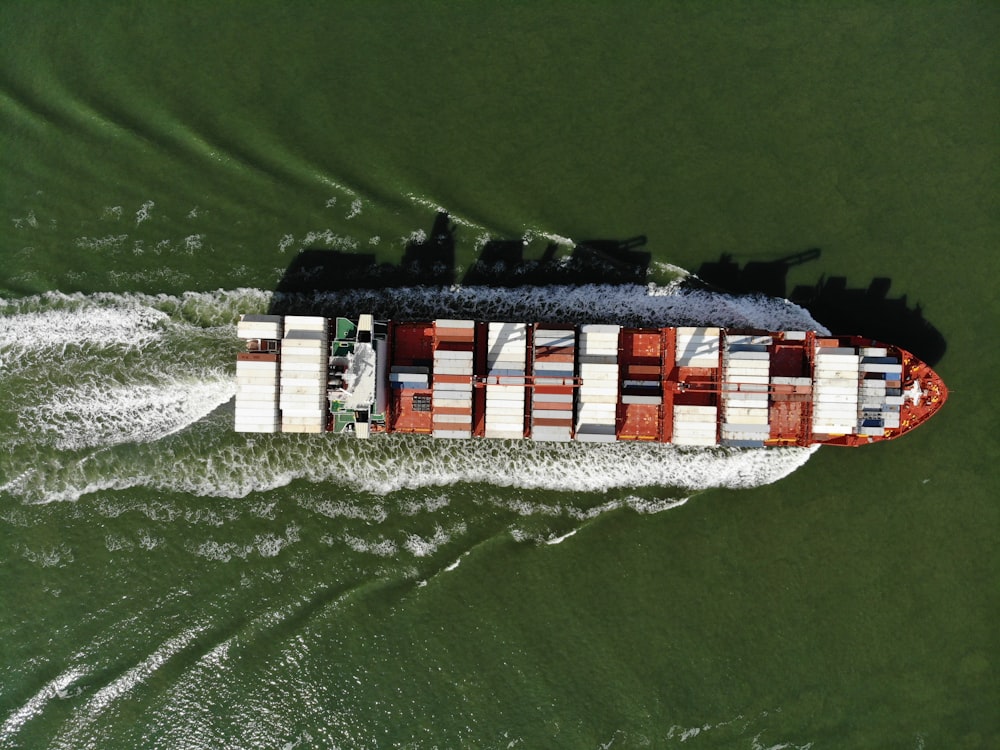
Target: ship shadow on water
(310,284)
(868,311)
(430,261)
(502,263)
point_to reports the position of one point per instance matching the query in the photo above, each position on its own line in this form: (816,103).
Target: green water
(166,583)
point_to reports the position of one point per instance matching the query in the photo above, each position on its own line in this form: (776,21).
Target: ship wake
(112,391)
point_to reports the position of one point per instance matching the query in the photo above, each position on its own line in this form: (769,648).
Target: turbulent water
(166,582)
(143,398)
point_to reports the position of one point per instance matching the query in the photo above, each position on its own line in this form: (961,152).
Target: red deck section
(411,344)
(641,359)
(791,406)
(449,339)
(479,393)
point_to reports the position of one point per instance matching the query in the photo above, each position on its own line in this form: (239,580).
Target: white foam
(182,353)
(96,414)
(628,304)
(118,688)
(265,545)
(144,212)
(420,546)
(55,688)
(382,547)
(562,538)
(48,557)
(54,321)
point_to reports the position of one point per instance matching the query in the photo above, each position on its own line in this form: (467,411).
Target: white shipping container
(598,359)
(304,367)
(593,409)
(741,410)
(453,418)
(500,434)
(311,429)
(268,394)
(318,360)
(305,323)
(441,354)
(457,403)
(263,417)
(561,368)
(697,331)
(502,409)
(888,369)
(247,366)
(694,419)
(598,368)
(558,435)
(760,428)
(835,398)
(598,388)
(456,387)
(747,419)
(650,400)
(457,370)
(263,413)
(552,414)
(553,398)
(694,409)
(258,331)
(505,392)
(452,323)
(268,380)
(692,440)
(304,340)
(452,434)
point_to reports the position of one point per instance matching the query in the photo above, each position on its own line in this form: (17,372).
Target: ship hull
(466,379)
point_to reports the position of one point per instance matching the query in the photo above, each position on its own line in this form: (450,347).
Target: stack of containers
(305,355)
(257,375)
(597,404)
(745,381)
(695,425)
(835,389)
(879,408)
(552,396)
(452,404)
(697,347)
(506,353)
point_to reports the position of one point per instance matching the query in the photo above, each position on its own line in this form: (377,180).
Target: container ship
(467,379)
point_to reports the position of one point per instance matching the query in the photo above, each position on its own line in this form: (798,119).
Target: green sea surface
(165,582)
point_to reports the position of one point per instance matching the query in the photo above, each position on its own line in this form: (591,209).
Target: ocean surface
(167,583)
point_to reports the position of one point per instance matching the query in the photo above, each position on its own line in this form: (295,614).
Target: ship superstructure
(466,379)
